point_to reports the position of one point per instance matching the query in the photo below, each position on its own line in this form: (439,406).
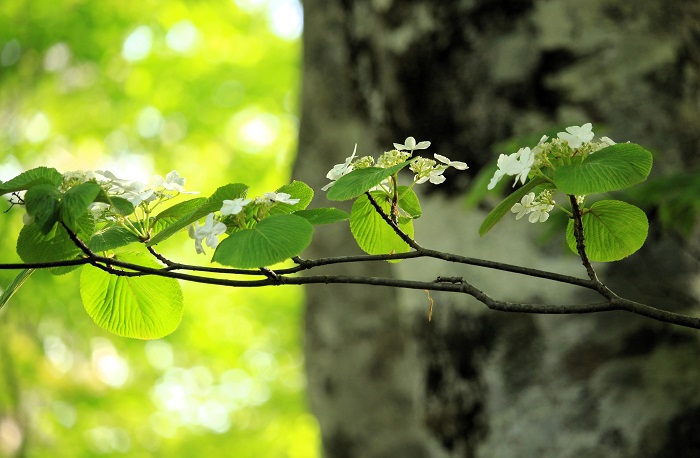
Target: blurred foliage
(141,88)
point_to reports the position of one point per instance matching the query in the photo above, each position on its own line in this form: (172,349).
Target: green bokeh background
(207,88)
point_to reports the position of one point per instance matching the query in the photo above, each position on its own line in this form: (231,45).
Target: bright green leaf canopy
(615,167)
(145,307)
(612,230)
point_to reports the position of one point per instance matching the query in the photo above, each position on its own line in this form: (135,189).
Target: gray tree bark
(385,382)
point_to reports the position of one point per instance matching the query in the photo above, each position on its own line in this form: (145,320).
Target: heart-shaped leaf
(612,230)
(145,307)
(272,240)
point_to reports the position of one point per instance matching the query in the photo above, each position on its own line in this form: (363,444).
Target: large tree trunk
(383,381)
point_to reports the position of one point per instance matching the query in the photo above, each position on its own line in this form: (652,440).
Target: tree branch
(441,283)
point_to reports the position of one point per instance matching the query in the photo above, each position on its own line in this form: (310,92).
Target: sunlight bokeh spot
(236,385)
(159,354)
(108,440)
(130,166)
(214,416)
(254,130)
(164,424)
(65,413)
(79,76)
(262,364)
(285,18)
(37,128)
(149,122)
(250,5)
(58,354)
(10,436)
(137,46)
(174,129)
(57,57)
(182,36)
(10,167)
(107,365)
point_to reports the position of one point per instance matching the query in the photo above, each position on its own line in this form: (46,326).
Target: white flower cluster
(213,227)
(424,169)
(538,208)
(136,192)
(575,141)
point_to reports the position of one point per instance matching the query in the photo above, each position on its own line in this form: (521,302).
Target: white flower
(339,170)
(172,181)
(136,192)
(392,158)
(540,213)
(98,209)
(456,164)
(410,144)
(608,141)
(538,208)
(516,164)
(276,197)
(234,207)
(434,176)
(284,198)
(208,232)
(524,206)
(575,136)
(426,169)
(538,148)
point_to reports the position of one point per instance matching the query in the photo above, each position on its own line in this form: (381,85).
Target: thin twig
(580,241)
(412,243)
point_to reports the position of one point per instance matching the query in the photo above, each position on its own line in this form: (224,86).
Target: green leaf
(408,202)
(181,209)
(14,286)
(212,204)
(43,204)
(504,207)
(75,202)
(111,238)
(615,167)
(31,178)
(144,307)
(371,232)
(318,216)
(358,181)
(120,205)
(174,213)
(298,190)
(612,230)
(272,240)
(33,246)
